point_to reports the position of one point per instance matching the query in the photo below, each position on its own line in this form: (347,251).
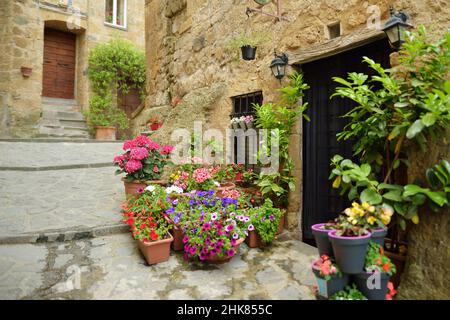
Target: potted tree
(143,163)
(247,43)
(145,216)
(330,279)
(265,220)
(373,282)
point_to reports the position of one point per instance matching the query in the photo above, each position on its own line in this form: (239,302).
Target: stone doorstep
(64,235)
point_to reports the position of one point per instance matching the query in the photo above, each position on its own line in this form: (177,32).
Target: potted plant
(143,163)
(215,231)
(349,293)
(26,71)
(350,240)
(247,43)
(373,282)
(266,220)
(242,123)
(320,232)
(144,215)
(105,118)
(330,279)
(235,123)
(248,120)
(154,123)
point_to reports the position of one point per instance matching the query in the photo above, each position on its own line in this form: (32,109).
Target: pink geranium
(119,160)
(201,175)
(153,145)
(167,149)
(129,144)
(142,141)
(138,154)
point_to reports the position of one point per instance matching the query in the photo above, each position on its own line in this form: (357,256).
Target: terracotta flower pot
(327,288)
(350,252)
(105,133)
(378,292)
(225,186)
(281,225)
(26,71)
(132,187)
(178,235)
(219,260)
(322,240)
(156,252)
(253,240)
(378,236)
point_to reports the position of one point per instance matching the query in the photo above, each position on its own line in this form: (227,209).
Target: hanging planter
(350,252)
(248,52)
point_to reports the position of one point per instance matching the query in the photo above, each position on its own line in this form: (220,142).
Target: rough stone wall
(22,33)
(187,56)
(426,275)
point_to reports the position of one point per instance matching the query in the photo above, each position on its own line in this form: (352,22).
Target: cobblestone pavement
(40,154)
(111,267)
(43,201)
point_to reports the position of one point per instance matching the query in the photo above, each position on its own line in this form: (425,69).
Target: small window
(243,106)
(116,13)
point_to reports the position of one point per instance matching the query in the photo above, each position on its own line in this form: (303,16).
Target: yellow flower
(355,205)
(366,205)
(354,222)
(371,220)
(371,209)
(348,212)
(385,219)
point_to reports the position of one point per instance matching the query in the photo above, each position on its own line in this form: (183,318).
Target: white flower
(174,189)
(150,188)
(216,184)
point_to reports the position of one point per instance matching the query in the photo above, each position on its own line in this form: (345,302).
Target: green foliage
(281,118)
(349,293)
(377,261)
(410,103)
(253,39)
(266,220)
(114,66)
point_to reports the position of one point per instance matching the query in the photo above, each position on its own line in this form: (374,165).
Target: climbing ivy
(115,66)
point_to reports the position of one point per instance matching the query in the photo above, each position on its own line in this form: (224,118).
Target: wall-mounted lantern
(395,28)
(279,64)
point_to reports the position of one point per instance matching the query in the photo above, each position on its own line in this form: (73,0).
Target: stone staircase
(62,118)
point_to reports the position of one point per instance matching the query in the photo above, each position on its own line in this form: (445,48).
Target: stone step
(59,102)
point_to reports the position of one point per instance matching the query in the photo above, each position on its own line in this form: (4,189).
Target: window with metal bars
(243,106)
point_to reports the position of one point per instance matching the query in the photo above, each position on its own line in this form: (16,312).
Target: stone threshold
(55,168)
(65,234)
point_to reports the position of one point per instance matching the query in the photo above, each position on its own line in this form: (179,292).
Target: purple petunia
(235,236)
(214,216)
(271,218)
(251,227)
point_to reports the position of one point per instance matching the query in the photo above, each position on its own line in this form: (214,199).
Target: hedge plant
(115,66)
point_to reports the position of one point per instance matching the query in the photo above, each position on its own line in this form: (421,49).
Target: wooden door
(59,64)
(321,202)
(128,102)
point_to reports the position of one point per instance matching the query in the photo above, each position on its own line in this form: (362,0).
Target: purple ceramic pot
(322,240)
(329,287)
(350,252)
(374,286)
(378,236)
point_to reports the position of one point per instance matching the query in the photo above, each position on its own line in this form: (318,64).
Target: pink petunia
(201,175)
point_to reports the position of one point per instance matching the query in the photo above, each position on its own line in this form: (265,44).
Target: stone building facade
(192,76)
(23,25)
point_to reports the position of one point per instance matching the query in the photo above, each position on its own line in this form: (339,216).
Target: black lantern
(396,26)
(278,65)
